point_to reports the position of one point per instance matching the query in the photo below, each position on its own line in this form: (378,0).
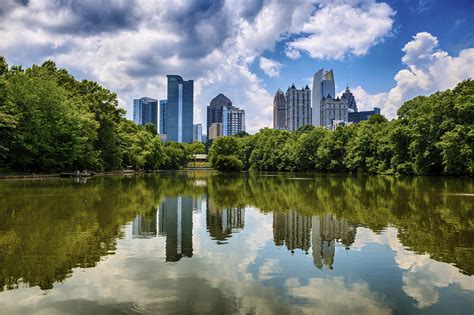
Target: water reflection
(389,245)
(176,224)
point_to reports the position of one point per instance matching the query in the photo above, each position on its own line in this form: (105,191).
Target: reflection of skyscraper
(176,223)
(326,231)
(144,226)
(292,229)
(221,223)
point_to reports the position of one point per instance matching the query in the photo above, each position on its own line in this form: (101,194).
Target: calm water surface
(194,242)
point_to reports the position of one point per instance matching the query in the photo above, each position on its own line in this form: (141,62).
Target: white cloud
(339,29)
(428,69)
(270,67)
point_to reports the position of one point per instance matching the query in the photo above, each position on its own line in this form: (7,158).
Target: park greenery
(433,135)
(51,122)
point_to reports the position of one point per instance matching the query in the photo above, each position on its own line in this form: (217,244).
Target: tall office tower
(220,110)
(145,110)
(162,130)
(179,109)
(333,111)
(351,102)
(176,223)
(197,132)
(326,231)
(233,121)
(298,107)
(279,111)
(292,229)
(323,85)
(215,110)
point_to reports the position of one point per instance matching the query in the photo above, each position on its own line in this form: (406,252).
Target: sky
(386,52)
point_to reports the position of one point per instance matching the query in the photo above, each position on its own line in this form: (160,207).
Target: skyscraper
(197,132)
(279,111)
(163,104)
(333,111)
(145,110)
(179,109)
(323,86)
(220,110)
(351,102)
(298,107)
(215,110)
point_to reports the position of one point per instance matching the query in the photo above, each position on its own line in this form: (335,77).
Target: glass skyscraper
(323,86)
(145,110)
(221,111)
(179,109)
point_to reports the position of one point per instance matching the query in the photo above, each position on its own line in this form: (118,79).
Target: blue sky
(387,52)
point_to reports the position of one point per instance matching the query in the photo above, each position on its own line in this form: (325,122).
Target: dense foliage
(432,135)
(51,122)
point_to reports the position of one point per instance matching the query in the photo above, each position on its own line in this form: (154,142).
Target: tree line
(51,122)
(433,135)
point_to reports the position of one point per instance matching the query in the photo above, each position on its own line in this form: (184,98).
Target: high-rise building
(145,110)
(233,121)
(197,132)
(215,130)
(298,107)
(162,130)
(333,110)
(215,110)
(176,223)
(323,86)
(179,109)
(220,110)
(364,115)
(279,111)
(351,102)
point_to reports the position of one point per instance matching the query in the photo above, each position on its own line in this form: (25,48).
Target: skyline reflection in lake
(198,242)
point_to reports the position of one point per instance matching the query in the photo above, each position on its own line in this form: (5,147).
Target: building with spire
(298,107)
(323,86)
(279,111)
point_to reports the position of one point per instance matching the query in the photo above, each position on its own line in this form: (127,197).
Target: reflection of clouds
(422,276)
(334,296)
(268,269)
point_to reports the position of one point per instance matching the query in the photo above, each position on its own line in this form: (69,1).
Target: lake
(199,242)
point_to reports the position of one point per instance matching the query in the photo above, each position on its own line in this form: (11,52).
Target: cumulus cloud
(270,67)
(337,30)
(428,69)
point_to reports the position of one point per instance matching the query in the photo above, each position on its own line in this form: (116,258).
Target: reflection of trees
(431,213)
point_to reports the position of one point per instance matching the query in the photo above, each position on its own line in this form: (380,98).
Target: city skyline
(388,52)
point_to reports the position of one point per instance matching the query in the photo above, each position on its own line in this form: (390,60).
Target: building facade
(145,110)
(233,121)
(333,111)
(298,107)
(279,111)
(215,110)
(364,115)
(215,131)
(323,86)
(162,129)
(179,109)
(197,133)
